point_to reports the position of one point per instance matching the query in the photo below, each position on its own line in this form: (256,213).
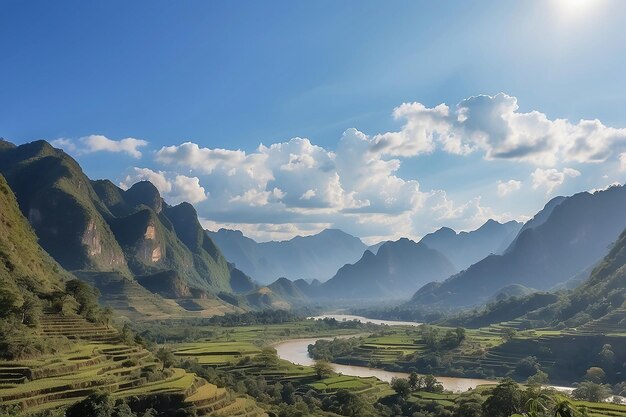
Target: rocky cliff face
(60,204)
(96,226)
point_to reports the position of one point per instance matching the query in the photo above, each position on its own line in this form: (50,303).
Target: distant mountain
(539,218)
(96,227)
(303,257)
(374,248)
(600,298)
(597,304)
(466,248)
(396,270)
(577,232)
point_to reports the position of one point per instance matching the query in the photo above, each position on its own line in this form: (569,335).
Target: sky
(282,118)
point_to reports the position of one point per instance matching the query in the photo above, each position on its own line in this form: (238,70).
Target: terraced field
(370,387)
(216,352)
(244,357)
(98,361)
(134,302)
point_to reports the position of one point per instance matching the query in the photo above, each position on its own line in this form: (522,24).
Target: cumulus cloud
(65,144)
(507,187)
(100,143)
(622,161)
(494,126)
(174,188)
(205,160)
(356,185)
(550,179)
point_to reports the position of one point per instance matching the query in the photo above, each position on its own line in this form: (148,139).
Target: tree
(469,406)
(10,299)
(595,374)
(128,336)
(96,405)
(537,380)
(416,382)
(87,298)
(166,357)
(106,315)
(607,357)
(527,366)
(323,369)
(31,310)
(401,387)
(590,391)
(564,409)
(509,334)
(505,399)
(431,384)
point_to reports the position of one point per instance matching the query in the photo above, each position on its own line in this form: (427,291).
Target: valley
(136,309)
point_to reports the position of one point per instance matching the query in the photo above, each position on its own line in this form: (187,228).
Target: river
(348,317)
(296,351)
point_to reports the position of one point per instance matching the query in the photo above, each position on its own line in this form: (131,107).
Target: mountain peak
(445,231)
(144,192)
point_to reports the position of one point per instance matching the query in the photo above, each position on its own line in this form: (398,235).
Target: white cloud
(204,160)
(550,179)
(357,186)
(187,189)
(622,161)
(494,126)
(100,143)
(65,144)
(263,232)
(507,187)
(174,188)
(157,178)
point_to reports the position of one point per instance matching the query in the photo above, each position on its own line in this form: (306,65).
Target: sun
(570,9)
(575,6)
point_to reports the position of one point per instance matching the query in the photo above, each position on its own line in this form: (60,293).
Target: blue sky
(231,75)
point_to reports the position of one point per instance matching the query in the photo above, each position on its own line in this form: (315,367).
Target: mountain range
(317,256)
(568,236)
(95,229)
(396,269)
(466,248)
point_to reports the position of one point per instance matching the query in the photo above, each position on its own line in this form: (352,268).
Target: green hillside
(24,265)
(97,228)
(59,202)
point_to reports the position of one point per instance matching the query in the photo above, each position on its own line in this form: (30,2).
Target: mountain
(57,199)
(466,248)
(96,227)
(577,232)
(539,218)
(601,297)
(26,269)
(397,269)
(303,257)
(281,294)
(598,302)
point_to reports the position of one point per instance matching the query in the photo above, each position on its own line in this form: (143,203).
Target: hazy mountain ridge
(317,256)
(466,248)
(394,271)
(576,233)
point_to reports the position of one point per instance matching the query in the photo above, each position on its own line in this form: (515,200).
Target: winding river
(296,351)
